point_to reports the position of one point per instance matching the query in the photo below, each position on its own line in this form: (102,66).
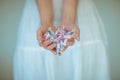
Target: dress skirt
(85,60)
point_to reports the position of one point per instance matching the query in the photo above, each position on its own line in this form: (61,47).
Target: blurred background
(10,14)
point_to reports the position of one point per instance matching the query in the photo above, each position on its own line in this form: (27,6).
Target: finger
(40,44)
(59,53)
(39,36)
(77,37)
(64,48)
(54,51)
(53,45)
(54,29)
(45,47)
(70,42)
(46,43)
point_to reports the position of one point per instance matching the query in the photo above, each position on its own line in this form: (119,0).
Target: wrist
(68,20)
(47,20)
(47,25)
(68,23)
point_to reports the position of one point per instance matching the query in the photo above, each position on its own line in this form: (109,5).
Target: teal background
(10,14)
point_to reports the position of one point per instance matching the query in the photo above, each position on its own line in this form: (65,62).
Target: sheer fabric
(85,60)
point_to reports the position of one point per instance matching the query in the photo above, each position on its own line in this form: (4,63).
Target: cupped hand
(70,27)
(46,43)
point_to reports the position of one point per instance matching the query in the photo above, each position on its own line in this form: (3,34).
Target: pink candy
(60,37)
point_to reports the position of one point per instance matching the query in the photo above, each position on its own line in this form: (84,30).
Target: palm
(69,27)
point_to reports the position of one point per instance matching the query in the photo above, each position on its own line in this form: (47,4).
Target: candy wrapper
(60,37)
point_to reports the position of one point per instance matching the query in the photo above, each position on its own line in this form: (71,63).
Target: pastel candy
(60,37)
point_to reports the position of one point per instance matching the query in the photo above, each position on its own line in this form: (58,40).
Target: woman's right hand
(46,43)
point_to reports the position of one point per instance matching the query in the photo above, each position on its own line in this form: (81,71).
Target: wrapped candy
(60,37)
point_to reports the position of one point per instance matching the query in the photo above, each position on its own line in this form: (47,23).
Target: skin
(68,20)
(69,16)
(46,15)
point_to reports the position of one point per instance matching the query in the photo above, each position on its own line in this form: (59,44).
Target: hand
(40,37)
(69,27)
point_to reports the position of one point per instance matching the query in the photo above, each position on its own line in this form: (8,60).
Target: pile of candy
(60,37)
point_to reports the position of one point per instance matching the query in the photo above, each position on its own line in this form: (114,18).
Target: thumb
(77,34)
(39,36)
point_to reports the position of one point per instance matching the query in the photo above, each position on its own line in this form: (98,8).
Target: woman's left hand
(69,27)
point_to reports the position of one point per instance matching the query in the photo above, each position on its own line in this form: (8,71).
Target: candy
(60,37)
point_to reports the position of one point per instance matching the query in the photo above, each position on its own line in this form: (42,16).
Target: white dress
(85,60)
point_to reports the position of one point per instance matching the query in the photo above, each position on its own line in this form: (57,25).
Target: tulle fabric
(85,60)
